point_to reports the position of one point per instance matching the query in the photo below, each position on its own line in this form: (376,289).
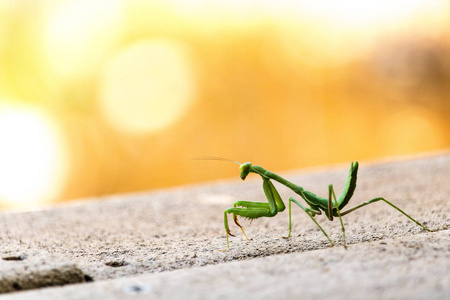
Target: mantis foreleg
(261,205)
(255,210)
(248,212)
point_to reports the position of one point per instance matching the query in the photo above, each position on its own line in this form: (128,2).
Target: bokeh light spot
(32,164)
(148,86)
(79,33)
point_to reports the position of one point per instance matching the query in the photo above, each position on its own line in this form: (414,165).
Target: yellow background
(102,97)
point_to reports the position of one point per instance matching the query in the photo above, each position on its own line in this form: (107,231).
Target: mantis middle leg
(310,212)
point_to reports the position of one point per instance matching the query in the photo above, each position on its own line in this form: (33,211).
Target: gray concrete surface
(36,269)
(399,268)
(115,239)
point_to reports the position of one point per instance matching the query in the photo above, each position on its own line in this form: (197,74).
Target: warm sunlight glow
(79,33)
(31,161)
(101,97)
(148,86)
(360,15)
(336,31)
(351,14)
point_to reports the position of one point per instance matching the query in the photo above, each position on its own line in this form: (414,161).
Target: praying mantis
(331,207)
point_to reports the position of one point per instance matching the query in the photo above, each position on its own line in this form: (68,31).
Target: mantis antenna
(216,158)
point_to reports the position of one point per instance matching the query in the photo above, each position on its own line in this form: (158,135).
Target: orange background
(103,97)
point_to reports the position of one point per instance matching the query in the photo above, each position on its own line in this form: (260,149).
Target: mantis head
(245,169)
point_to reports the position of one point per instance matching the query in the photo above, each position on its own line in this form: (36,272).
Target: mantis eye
(245,169)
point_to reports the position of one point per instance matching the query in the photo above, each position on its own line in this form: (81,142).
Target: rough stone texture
(30,271)
(399,268)
(182,228)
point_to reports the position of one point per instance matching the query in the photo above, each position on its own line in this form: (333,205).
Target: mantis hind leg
(382,199)
(311,213)
(335,205)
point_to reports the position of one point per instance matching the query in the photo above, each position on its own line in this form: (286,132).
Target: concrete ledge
(123,237)
(31,271)
(399,268)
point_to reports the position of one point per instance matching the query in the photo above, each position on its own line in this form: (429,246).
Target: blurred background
(110,96)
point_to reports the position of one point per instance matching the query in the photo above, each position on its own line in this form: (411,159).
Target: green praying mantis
(331,207)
